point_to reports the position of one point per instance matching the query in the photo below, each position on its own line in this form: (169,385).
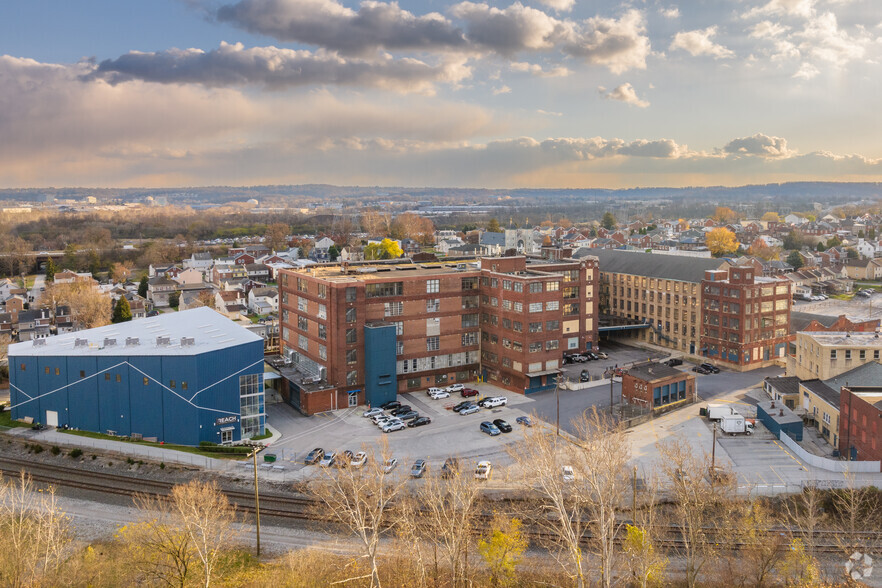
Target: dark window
(57,371)
(106,376)
(118,378)
(22,367)
(82,373)
(351,336)
(350,294)
(183,385)
(351,315)
(383,289)
(47,369)
(351,355)
(171,384)
(146,381)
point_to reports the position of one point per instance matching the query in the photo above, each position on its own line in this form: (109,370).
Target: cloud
(768,30)
(275,68)
(824,40)
(557,71)
(758,145)
(624,93)
(329,24)
(672,12)
(620,45)
(559,5)
(801,8)
(510,30)
(806,71)
(699,42)
(501,90)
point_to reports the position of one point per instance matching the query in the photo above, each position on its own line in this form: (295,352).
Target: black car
(344,459)
(584,376)
(401,410)
(314,456)
(502,425)
(450,467)
(153,313)
(391,405)
(674,361)
(590,355)
(567,359)
(700,370)
(462,405)
(409,415)
(710,368)
(419,422)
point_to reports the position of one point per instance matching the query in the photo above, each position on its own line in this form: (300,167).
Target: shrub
(130,461)
(55,450)
(37,448)
(207,444)
(75,453)
(162,465)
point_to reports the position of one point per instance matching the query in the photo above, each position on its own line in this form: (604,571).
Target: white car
(328,460)
(358,460)
(378,418)
(394,426)
(454,388)
(387,421)
(482,472)
(440,394)
(493,402)
(372,412)
(470,409)
(433,390)
(568,474)
(389,465)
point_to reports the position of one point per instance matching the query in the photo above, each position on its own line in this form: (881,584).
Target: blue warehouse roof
(189,332)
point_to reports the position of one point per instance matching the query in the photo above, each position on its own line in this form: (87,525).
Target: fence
(831,465)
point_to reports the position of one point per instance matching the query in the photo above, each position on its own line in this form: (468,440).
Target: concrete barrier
(831,465)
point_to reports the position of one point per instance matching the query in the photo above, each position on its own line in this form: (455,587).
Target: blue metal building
(181,377)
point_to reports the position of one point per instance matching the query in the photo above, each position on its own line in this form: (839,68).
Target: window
(322,332)
(399,328)
(350,294)
(433,343)
(351,336)
(552,286)
(432,305)
(494,283)
(535,327)
(383,289)
(469,339)
(552,325)
(301,304)
(393,308)
(519,307)
(351,315)
(171,384)
(82,373)
(433,286)
(535,307)
(302,323)
(552,305)
(534,347)
(551,345)
(518,286)
(469,283)
(106,374)
(323,352)
(517,326)
(351,356)
(183,384)
(535,287)
(351,378)
(302,342)
(506,323)
(58,370)
(506,304)
(506,284)
(146,381)
(322,312)
(862,354)
(848,354)
(469,320)
(322,290)
(571,309)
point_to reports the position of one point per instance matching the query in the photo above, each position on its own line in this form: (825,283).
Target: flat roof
(845,339)
(209,330)
(387,272)
(651,371)
(670,267)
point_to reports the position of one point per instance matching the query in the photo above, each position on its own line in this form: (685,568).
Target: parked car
(389,465)
(524,420)
(434,390)
(419,468)
(584,376)
(482,472)
(568,474)
(450,467)
(153,313)
(439,394)
(462,405)
(382,419)
(590,355)
(580,358)
(393,426)
(372,412)
(409,415)
(470,409)
(711,367)
(567,359)
(345,458)
(468,392)
(419,422)
(489,428)
(358,460)
(401,410)
(602,355)
(493,401)
(455,388)
(314,456)
(502,425)
(391,405)
(700,370)
(674,361)
(328,460)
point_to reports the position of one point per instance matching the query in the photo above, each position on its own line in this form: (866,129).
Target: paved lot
(857,306)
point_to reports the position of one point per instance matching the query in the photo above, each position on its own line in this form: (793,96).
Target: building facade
(861,429)
(182,377)
(745,317)
(825,355)
(507,320)
(658,386)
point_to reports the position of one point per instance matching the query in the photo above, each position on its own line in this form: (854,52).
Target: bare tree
(36,533)
(361,499)
(645,562)
(415,535)
(804,513)
(857,510)
(760,547)
(277,236)
(88,306)
(376,223)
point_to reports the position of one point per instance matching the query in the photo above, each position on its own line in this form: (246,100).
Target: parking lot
(858,306)
(619,355)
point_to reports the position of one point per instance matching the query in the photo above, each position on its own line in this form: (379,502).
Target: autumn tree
(564,223)
(122,311)
(771,216)
(207,518)
(413,226)
(376,223)
(794,240)
(724,215)
(503,549)
(120,272)
(276,236)
(385,249)
(763,251)
(721,241)
(608,221)
(206,298)
(89,307)
(759,552)
(493,226)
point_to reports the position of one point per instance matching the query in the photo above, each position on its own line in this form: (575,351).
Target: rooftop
(784,384)
(671,267)
(208,330)
(863,376)
(651,371)
(387,272)
(845,339)
(823,391)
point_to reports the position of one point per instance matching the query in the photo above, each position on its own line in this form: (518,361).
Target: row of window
(861,354)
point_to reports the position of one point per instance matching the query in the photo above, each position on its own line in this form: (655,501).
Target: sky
(495,94)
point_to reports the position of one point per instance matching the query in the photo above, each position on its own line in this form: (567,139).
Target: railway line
(305,509)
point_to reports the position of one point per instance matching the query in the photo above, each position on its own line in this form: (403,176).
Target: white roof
(208,329)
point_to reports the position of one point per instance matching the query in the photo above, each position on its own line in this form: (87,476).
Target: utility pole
(714,452)
(634,497)
(557,401)
(256,497)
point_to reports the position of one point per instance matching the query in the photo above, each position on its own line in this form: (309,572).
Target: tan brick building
(825,355)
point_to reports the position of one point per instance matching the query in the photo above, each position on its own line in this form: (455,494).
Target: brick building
(861,423)
(825,355)
(507,320)
(745,317)
(657,385)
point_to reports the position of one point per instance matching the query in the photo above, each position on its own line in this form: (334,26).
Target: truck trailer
(717,411)
(736,424)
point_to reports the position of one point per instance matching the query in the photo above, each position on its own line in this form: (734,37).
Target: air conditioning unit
(163,341)
(81,343)
(188,341)
(108,342)
(132,341)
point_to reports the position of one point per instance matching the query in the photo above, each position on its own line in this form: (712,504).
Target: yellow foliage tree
(647,566)
(771,217)
(502,551)
(385,249)
(89,307)
(724,214)
(721,241)
(763,251)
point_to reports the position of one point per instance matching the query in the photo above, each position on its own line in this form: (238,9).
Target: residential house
(159,289)
(226,272)
(258,272)
(14,305)
(188,276)
(199,261)
(5,324)
(161,270)
(63,320)
(69,277)
(230,303)
(783,388)
(263,300)
(6,287)
(254,251)
(494,243)
(863,269)
(241,258)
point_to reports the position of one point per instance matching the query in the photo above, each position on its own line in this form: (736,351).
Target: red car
(467,392)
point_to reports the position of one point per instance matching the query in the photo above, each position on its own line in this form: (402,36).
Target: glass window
(351,315)
(433,286)
(552,286)
(552,305)
(383,289)
(350,294)
(535,287)
(535,307)
(351,336)
(351,378)
(433,343)
(351,356)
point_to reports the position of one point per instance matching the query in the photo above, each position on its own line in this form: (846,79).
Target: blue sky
(538,93)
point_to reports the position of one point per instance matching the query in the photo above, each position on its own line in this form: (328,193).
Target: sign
(226,420)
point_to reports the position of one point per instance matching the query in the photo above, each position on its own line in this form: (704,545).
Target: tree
(385,249)
(493,226)
(871,233)
(771,217)
(376,223)
(51,269)
(608,221)
(821,246)
(413,226)
(333,252)
(759,552)
(174,299)
(851,253)
(207,518)
(564,223)
(724,215)
(795,260)
(120,272)
(834,241)
(276,236)
(502,551)
(794,240)
(646,564)
(142,287)
(89,307)
(763,251)
(122,311)
(69,261)
(206,298)
(721,241)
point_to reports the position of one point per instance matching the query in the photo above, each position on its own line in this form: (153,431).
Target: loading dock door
(51,418)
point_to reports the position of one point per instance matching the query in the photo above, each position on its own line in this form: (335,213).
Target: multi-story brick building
(745,317)
(507,320)
(861,426)
(663,291)
(825,355)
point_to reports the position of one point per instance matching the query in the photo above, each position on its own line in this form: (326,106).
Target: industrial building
(658,387)
(182,377)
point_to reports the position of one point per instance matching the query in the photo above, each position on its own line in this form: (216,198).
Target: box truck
(735,424)
(717,411)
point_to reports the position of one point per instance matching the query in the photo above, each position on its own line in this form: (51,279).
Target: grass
(842,296)
(182,448)
(266,435)
(7,422)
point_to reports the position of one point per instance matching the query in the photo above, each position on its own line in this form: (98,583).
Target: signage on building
(226,420)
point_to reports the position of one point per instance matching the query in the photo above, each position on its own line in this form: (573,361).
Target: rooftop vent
(81,343)
(163,341)
(188,341)
(132,341)
(109,342)
(39,342)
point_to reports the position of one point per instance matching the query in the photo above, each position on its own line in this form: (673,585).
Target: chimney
(781,413)
(773,404)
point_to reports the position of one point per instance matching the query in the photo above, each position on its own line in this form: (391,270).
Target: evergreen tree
(608,221)
(794,259)
(174,299)
(142,287)
(51,268)
(821,246)
(122,312)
